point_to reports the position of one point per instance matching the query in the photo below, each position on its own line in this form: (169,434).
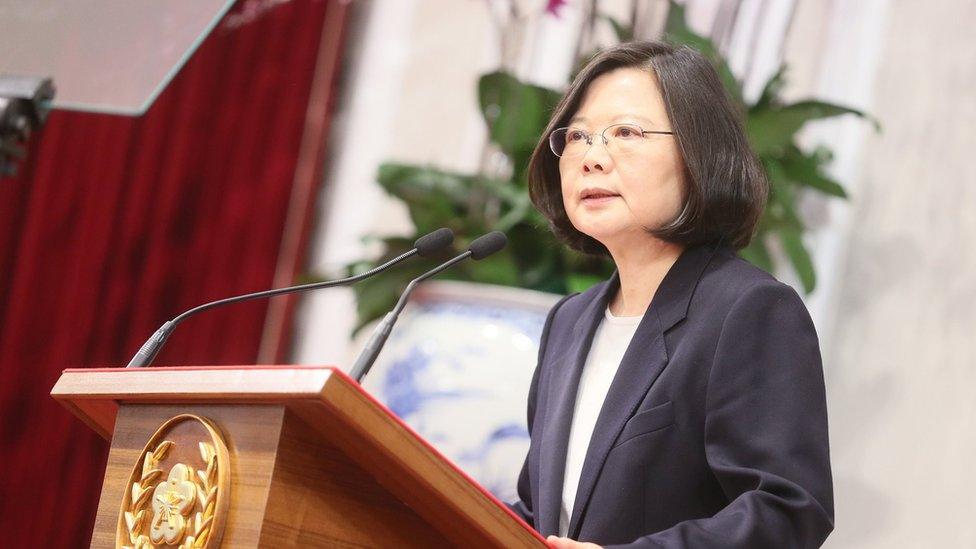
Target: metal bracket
(25,102)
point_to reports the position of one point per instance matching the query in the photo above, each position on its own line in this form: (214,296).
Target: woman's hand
(566,543)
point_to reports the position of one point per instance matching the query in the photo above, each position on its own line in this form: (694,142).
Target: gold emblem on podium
(177,493)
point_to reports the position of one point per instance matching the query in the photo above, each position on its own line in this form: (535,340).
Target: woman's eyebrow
(633,116)
(615,119)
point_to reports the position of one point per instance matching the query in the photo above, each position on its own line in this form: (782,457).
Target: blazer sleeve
(765,430)
(523,507)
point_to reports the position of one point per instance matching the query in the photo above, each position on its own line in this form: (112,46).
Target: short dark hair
(726,184)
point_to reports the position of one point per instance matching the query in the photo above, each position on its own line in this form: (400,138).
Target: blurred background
(285,141)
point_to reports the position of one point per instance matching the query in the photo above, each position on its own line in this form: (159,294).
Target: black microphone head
(433,242)
(483,246)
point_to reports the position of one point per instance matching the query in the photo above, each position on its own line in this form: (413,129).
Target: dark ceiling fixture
(25,102)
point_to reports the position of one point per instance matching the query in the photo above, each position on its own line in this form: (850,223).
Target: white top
(609,344)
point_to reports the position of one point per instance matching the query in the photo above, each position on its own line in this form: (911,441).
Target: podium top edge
(218,383)
(191,368)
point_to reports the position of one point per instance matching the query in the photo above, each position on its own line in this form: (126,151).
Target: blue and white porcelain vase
(457,369)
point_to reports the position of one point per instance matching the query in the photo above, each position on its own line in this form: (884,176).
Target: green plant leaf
(437,198)
(769,96)
(498,268)
(757,254)
(798,255)
(376,296)
(516,112)
(780,209)
(519,213)
(805,170)
(417,183)
(538,256)
(582,282)
(772,130)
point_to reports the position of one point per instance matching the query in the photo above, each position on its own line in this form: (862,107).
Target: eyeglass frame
(606,142)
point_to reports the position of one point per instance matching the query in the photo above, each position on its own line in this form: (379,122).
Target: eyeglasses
(622,140)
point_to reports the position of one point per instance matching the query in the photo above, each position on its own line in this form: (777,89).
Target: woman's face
(616,197)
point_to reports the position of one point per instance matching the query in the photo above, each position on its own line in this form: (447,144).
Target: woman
(681,402)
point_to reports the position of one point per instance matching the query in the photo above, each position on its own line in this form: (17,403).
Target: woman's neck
(641,268)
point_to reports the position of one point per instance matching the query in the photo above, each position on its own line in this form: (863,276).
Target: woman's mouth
(596,197)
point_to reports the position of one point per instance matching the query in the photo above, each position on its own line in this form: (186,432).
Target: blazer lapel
(642,363)
(562,401)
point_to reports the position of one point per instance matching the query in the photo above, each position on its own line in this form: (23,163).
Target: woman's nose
(597,158)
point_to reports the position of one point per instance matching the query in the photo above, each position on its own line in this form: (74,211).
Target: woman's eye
(626,132)
(575,136)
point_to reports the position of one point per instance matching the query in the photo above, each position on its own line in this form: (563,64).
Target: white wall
(899,265)
(411,97)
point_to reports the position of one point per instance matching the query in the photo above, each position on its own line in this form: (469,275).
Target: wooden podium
(272,456)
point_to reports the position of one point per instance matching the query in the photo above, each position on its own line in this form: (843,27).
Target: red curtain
(117,224)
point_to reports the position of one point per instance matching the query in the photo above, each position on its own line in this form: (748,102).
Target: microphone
(481,248)
(425,246)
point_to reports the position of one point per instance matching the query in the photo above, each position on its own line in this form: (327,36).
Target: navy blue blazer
(714,430)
